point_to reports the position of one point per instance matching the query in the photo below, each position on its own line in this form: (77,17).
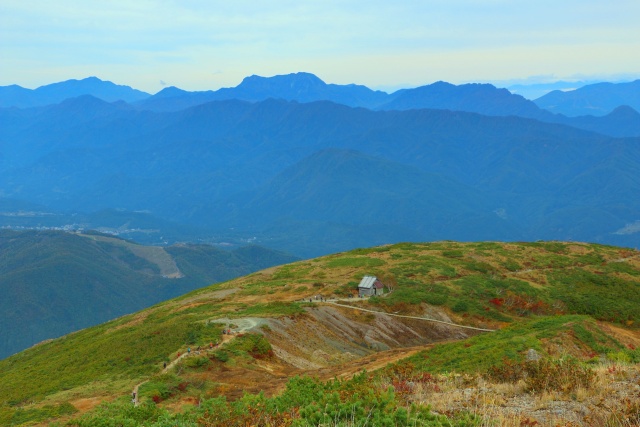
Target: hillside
(519,179)
(549,298)
(54,282)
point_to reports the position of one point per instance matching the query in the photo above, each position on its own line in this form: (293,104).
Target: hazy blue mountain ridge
(305,87)
(17,96)
(484,99)
(207,166)
(596,99)
(301,87)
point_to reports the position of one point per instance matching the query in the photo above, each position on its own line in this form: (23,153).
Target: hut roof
(369,282)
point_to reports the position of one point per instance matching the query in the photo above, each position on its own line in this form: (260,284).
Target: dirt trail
(412,317)
(368,363)
(241,325)
(171,365)
(342,342)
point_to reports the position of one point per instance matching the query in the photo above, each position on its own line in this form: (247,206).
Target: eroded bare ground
(335,342)
(326,342)
(328,335)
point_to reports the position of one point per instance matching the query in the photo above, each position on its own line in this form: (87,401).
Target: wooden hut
(369,286)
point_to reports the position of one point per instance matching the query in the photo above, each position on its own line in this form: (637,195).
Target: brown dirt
(625,336)
(87,403)
(369,363)
(329,335)
(137,319)
(326,341)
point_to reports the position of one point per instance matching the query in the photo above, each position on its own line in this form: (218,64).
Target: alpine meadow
(320,214)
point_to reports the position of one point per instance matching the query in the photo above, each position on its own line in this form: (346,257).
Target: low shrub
(565,375)
(221,356)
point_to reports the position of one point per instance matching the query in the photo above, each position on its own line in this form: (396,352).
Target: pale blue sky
(200,45)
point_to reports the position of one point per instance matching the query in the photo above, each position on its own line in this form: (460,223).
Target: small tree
(389,281)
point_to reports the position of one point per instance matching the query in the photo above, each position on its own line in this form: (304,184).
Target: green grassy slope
(488,284)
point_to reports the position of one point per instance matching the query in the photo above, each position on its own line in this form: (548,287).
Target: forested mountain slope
(54,282)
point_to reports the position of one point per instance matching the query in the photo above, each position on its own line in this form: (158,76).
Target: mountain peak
(170,91)
(299,81)
(624,111)
(83,100)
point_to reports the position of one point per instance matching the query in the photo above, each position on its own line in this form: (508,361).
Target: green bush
(196,362)
(21,416)
(460,307)
(221,355)
(255,345)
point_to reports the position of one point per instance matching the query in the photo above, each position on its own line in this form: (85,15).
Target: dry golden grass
(612,400)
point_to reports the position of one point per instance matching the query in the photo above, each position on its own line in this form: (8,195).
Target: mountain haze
(17,96)
(205,165)
(595,99)
(484,99)
(301,87)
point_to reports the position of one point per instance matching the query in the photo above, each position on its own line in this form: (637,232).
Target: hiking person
(165,365)
(189,350)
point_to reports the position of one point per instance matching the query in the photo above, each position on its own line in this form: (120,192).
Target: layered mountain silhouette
(278,171)
(476,98)
(301,87)
(17,96)
(596,99)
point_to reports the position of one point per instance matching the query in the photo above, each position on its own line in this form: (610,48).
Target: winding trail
(412,317)
(243,325)
(136,402)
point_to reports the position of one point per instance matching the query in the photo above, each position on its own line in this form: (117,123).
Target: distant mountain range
(484,99)
(317,177)
(596,99)
(53,282)
(17,96)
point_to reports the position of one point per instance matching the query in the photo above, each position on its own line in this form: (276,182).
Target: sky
(208,44)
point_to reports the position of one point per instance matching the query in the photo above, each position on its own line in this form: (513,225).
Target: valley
(294,164)
(56,282)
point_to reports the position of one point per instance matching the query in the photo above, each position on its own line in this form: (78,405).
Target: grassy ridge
(499,282)
(476,283)
(545,335)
